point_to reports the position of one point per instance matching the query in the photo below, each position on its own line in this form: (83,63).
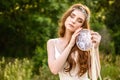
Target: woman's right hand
(73,38)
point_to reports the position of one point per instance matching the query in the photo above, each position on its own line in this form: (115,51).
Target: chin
(71,30)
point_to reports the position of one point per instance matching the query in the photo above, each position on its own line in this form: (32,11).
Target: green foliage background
(26,25)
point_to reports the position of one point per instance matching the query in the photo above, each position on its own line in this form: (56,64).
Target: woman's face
(75,20)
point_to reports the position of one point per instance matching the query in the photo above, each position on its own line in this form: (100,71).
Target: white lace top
(66,76)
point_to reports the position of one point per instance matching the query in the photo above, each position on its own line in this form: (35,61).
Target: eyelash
(72,16)
(79,21)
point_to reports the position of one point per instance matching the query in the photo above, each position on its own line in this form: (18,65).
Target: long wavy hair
(83,57)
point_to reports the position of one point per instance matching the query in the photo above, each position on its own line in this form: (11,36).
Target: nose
(73,20)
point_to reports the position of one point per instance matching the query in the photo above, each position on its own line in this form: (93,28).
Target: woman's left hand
(96,38)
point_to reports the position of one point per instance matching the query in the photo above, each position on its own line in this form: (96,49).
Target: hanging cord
(95,67)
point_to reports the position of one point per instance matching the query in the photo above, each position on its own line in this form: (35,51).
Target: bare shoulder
(50,46)
(51,41)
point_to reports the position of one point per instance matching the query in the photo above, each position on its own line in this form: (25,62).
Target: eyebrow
(75,15)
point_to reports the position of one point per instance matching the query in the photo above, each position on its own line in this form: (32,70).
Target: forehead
(78,14)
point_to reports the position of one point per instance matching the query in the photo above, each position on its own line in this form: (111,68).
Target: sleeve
(95,64)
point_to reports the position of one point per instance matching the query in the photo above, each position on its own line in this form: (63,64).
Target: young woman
(64,57)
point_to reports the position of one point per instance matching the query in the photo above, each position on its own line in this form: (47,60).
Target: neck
(67,36)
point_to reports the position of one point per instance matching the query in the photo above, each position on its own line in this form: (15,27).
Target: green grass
(22,69)
(110,67)
(110,71)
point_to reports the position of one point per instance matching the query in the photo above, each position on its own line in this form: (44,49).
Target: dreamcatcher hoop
(83,40)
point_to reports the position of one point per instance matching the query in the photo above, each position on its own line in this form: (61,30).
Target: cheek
(66,22)
(79,25)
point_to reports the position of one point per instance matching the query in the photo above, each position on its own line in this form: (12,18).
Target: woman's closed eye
(72,15)
(80,20)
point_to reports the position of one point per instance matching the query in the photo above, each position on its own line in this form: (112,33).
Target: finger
(95,33)
(76,34)
(94,36)
(96,40)
(91,31)
(78,30)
